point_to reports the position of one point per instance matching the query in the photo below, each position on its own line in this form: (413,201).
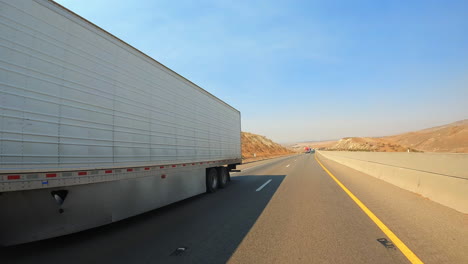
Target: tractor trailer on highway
(93,131)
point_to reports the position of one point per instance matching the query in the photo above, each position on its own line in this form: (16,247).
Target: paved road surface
(300,216)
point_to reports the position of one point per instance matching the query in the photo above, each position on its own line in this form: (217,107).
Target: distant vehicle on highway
(308,150)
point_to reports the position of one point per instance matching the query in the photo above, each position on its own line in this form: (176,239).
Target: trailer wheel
(223,177)
(211,180)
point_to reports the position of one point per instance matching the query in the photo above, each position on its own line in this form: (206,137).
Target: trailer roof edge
(135,49)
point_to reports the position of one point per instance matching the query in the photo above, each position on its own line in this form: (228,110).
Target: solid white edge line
(261,187)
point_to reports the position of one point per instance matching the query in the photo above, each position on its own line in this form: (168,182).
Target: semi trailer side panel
(34,214)
(92,130)
(74,96)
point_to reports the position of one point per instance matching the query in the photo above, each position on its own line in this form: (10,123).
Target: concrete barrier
(441,177)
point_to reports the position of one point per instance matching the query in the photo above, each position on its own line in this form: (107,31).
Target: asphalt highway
(285,210)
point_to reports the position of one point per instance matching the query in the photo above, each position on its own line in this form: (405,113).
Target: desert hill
(369,144)
(256,147)
(451,137)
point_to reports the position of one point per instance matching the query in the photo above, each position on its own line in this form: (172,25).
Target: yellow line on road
(403,248)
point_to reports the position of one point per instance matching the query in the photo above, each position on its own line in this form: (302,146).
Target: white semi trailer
(93,131)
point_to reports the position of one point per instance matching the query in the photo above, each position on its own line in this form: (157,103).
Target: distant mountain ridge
(451,138)
(369,144)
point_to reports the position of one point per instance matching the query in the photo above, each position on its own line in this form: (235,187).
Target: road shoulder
(435,233)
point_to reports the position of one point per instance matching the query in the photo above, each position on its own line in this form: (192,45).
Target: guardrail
(441,177)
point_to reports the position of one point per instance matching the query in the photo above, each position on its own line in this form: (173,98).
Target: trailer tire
(223,177)
(211,180)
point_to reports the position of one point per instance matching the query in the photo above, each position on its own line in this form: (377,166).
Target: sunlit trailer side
(93,131)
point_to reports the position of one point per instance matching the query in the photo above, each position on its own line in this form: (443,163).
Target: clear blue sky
(308,70)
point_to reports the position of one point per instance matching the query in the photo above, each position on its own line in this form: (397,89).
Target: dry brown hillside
(368,144)
(447,138)
(256,147)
